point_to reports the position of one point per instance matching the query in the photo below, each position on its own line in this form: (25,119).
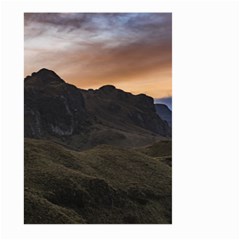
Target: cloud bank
(129,50)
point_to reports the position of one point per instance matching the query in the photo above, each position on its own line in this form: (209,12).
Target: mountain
(164,113)
(93,156)
(54,109)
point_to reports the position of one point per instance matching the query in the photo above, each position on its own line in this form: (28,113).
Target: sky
(132,51)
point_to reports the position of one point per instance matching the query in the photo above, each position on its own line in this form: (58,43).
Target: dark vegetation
(103,185)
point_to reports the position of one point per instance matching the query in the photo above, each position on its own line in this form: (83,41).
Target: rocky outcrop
(51,106)
(124,110)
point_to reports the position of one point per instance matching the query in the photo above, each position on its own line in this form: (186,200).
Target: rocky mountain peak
(43,77)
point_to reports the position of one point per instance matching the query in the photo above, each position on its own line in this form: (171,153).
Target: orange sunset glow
(128,50)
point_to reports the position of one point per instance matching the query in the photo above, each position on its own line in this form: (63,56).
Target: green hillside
(105,184)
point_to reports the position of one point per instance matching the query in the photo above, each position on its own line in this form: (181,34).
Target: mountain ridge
(56,109)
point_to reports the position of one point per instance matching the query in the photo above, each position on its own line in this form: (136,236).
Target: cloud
(96,48)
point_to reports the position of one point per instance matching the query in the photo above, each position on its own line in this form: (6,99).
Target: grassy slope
(99,134)
(103,185)
(161,151)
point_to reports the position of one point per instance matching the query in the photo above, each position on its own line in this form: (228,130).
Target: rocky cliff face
(55,108)
(120,109)
(51,106)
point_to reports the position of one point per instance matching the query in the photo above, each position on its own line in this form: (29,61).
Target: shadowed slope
(103,185)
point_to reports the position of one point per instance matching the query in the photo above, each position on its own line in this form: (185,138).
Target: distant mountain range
(164,113)
(83,118)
